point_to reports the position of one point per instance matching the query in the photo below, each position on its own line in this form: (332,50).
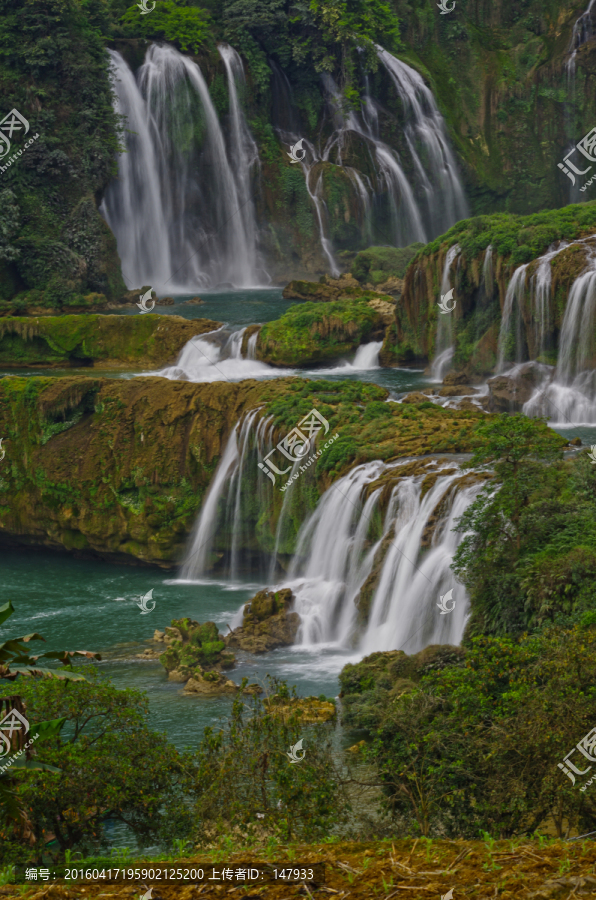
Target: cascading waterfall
(411,586)
(427,140)
(334,552)
(512,312)
(181,209)
(417,211)
(217,356)
(570,397)
(444,345)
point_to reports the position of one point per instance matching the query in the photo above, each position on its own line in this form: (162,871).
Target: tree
(107,765)
(243,772)
(15,661)
(476,747)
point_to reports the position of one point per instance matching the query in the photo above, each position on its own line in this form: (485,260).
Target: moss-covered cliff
(141,341)
(492,247)
(501,75)
(119,468)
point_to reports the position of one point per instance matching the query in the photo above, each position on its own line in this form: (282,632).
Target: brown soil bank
(141,341)
(508,870)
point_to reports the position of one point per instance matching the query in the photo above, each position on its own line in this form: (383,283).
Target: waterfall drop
(181,209)
(444,345)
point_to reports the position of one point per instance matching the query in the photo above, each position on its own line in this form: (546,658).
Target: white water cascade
(417,209)
(568,396)
(217,356)
(181,208)
(512,314)
(334,553)
(427,141)
(444,344)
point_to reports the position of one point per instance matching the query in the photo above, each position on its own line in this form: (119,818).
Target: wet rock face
(267,623)
(509,392)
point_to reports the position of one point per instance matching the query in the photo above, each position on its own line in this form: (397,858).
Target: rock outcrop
(509,392)
(143,341)
(191,645)
(267,623)
(319,331)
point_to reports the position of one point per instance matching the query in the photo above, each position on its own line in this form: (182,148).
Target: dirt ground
(383,869)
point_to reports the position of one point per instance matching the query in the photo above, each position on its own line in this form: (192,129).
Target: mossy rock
(377,265)
(200,646)
(267,623)
(317,332)
(88,340)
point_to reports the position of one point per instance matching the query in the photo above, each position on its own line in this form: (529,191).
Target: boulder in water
(165,301)
(195,301)
(191,644)
(510,391)
(205,682)
(267,623)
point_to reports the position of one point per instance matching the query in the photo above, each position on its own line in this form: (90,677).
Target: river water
(83,604)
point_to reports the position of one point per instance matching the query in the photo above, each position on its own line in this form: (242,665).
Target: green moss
(377,264)
(314,332)
(86,339)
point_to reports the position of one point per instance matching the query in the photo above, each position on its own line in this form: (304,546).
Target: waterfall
(238,499)
(444,344)
(488,277)
(338,544)
(403,613)
(217,356)
(244,152)
(405,213)
(427,140)
(570,397)
(512,310)
(583,30)
(333,560)
(181,208)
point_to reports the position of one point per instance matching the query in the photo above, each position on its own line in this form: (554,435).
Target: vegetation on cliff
(120,467)
(314,332)
(481,287)
(528,557)
(54,71)
(138,341)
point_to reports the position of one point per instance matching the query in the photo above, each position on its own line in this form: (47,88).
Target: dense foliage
(529,555)
(520,238)
(474,744)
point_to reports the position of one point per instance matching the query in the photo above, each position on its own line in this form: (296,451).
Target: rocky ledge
(143,341)
(267,623)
